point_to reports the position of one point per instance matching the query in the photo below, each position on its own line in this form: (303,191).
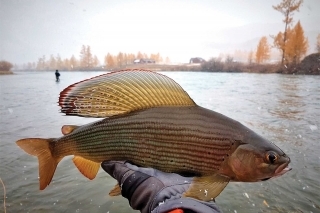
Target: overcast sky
(177,29)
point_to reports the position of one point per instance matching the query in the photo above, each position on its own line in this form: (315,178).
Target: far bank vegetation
(291,44)
(5,67)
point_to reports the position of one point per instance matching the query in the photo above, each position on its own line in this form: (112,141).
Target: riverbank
(310,65)
(6,72)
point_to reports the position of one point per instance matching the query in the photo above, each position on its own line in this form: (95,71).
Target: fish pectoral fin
(67,129)
(87,167)
(115,191)
(122,92)
(207,188)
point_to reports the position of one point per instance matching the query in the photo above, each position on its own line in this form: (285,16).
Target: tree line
(291,43)
(89,61)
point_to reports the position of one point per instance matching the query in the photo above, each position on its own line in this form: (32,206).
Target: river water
(282,108)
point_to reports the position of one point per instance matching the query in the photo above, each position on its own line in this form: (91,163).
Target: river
(283,108)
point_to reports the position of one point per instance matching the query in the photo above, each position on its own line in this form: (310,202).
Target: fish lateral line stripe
(157,142)
(144,124)
(156,126)
(126,141)
(189,153)
(190,141)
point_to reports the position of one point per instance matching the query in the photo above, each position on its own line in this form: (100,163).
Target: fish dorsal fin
(67,129)
(115,191)
(207,188)
(122,92)
(87,167)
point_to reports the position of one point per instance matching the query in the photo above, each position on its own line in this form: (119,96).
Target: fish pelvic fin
(115,191)
(87,167)
(47,163)
(207,188)
(122,92)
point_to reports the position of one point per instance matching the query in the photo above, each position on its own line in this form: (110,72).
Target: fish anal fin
(67,129)
(115,191)
(47,163)
(87,167)
(207,188)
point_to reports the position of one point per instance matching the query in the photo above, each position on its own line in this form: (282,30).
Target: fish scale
(114,139)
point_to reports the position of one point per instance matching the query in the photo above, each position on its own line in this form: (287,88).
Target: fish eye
(272,157)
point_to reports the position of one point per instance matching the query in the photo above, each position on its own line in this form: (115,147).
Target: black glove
(150,190)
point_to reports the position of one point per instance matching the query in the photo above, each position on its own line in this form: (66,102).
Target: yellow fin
(115,191)
(87,167)
(47,163)
(207,188)
(122,92)
(67,129)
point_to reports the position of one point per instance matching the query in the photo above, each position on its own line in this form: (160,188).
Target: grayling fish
(151,121)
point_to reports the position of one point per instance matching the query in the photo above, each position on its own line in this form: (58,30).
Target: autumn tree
(318,43)
(95,61)
(73,62)
(109,61)
(139,55)
(66,64)
(52,62)
(263,50)
(5,66)
(120,59)
(130,58)
(86,58)
(297,44)
(155,57)
(41,64)
(286,7)
(59,62)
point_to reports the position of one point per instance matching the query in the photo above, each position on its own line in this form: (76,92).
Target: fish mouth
(282,169)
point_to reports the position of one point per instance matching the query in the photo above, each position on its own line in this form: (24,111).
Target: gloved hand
(150,190)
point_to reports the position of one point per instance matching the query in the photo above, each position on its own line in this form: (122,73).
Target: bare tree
(287,7)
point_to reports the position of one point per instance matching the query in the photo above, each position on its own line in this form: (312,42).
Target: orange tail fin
(47,163)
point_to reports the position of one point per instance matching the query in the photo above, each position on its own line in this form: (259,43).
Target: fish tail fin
(43,150)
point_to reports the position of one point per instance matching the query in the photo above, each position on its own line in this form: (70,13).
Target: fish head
(257,159)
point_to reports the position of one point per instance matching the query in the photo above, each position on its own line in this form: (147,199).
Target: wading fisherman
(57,75)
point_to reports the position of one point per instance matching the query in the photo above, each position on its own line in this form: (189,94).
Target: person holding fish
(150,121)
(152,191)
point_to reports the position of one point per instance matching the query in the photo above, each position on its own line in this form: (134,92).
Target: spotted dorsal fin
(122,92)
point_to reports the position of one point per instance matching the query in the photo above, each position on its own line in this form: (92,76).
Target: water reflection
(290,103)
